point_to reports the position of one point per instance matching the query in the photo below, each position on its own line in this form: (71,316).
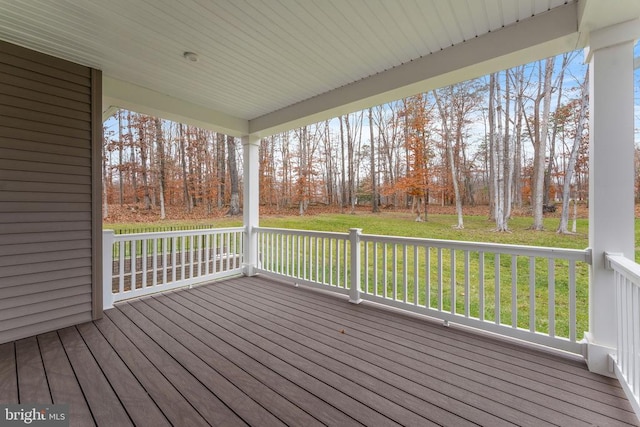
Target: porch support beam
(251,199)
(611,178)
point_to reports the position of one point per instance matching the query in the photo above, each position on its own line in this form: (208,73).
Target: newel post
(108,237)
(354,241)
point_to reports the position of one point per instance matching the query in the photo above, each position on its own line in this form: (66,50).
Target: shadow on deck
(258,352)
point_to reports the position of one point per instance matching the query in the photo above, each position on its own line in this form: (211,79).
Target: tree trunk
(541,144)
(374,186)
(446,134)
(133,165)
(554,133)
(161,166)
(508,159)
(142,144)
(343,190)
(566,189)
(221,173)
(234,206)
(497,154)
(120,159)
(185,182)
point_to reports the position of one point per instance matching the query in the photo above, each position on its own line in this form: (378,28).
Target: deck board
(426,370)
(101,399)
(266,397)
(193,392)
(137,403)
(209,381)
(300,397)
(255,351)
(32,379)
(478,368)
(172,404)
(62,380)
(400,402)
(8,376)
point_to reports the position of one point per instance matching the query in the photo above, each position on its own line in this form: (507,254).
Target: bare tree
(448,140)
(496,148)
(374,186)
(540,135)
(161,165)
(568,176)
(234,206)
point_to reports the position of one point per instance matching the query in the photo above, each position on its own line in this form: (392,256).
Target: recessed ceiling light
(190,56)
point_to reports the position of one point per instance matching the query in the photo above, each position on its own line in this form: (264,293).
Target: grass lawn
(477,228)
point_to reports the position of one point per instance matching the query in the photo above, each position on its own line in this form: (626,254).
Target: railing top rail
(175,233)
(537,251)
(628,267)
(549,252)
(303,232)
(501,248)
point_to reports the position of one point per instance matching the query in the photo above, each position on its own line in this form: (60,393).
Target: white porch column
(611,178)
(251,199)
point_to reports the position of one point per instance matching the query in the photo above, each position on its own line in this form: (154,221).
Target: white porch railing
(627,359)
(523,292)
(140,264)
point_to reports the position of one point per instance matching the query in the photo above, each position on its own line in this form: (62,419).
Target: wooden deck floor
(252,351)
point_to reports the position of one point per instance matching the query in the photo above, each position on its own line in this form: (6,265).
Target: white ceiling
(269,64)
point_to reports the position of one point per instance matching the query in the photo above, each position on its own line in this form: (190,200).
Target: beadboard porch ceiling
(265,66)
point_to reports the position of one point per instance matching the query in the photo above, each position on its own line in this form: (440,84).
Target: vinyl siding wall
(47,224)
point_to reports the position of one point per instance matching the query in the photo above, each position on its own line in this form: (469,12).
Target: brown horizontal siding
(44,88)
(15,260)
(55,110)
(34,136)
(14,196)
(27,64)
(34,76)
(19,123)
(34,156)
(41,117)
(39,227)
(33,95)
(43,147)
(37,292)
(25,166)
(13,175)
(11,239)
(45,186)
(47,115)
(47,64)
(44,277)
(43,267)
(59,310)
(29,217)
(39,247)
(55,301)
(42,207)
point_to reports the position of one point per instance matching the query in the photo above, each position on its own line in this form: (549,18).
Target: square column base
(600,359)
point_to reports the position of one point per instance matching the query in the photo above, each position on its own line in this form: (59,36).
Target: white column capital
(251,139)
(624,32)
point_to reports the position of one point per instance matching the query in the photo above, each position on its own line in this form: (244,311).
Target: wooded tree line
(516,139)
(155,163)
